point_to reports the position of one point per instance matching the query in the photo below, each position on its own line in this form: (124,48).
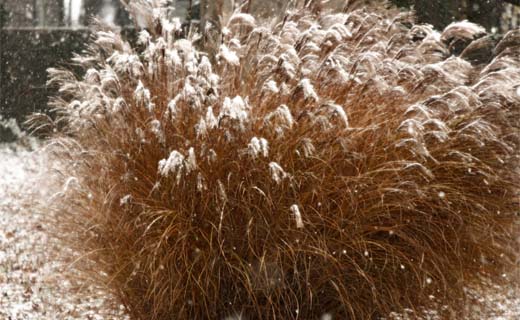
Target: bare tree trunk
(510,17)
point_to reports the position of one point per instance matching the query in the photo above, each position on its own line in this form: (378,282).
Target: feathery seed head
(398,156)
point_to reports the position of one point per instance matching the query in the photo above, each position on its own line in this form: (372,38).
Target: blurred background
(38,34)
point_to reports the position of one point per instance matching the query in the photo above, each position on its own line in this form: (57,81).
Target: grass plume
(331,161)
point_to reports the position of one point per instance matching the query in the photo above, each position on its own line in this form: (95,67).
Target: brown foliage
(328,162)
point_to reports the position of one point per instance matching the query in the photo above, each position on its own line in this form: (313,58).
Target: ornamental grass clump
(330,162)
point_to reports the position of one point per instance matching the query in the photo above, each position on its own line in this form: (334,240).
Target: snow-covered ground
(36,281)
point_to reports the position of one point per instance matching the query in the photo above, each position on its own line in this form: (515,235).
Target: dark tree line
(440,13)
(52,13)
(488,13)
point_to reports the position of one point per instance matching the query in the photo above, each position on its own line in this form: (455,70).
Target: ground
(38,282)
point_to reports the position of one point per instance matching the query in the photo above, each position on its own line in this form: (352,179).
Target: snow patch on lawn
(35,282)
